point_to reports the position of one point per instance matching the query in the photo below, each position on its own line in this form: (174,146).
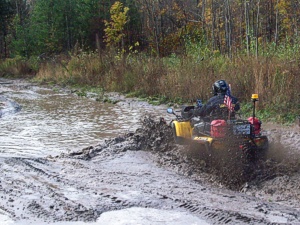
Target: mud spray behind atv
(219,136)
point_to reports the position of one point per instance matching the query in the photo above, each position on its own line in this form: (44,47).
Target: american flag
(228,100)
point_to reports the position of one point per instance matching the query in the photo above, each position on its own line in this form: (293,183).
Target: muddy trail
(145,169)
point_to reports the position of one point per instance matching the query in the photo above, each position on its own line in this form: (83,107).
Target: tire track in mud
(259,213)
(216,216)
(31,178)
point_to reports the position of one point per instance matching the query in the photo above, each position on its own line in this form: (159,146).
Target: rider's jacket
(215,108)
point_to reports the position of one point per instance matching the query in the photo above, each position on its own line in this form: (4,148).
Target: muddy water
(52,122)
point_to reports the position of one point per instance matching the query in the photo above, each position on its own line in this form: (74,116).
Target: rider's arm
(206,109)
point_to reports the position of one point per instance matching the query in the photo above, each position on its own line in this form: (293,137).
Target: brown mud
(146,169)
(274,180)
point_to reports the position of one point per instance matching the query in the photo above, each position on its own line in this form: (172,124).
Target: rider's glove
(199,103)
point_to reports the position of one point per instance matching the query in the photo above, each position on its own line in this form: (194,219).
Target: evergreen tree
(6,14)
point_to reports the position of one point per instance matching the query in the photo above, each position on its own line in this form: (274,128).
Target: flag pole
(229,111)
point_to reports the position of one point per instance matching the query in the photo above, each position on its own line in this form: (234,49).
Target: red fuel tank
(218,128)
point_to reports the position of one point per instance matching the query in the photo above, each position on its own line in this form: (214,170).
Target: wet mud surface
(144,168)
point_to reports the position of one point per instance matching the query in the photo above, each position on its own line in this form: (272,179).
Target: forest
(169,50)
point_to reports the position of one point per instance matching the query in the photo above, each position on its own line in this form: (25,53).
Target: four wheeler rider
(215,108)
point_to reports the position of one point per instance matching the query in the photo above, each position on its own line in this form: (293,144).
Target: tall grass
(18,67)
(274,77)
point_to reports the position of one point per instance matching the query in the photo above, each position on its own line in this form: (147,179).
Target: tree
(6,15)
(114,28)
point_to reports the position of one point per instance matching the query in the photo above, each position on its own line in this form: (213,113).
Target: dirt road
(146,170)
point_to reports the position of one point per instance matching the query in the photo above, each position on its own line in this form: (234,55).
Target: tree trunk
(213,25)
(229,28)
(247,27)
(257,28)
(276,23)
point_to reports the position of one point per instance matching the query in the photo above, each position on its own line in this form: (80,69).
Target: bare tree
(247,22)
(257,28)
(228,26)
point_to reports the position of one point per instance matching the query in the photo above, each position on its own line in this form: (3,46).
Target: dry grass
(15,67)
(275,80)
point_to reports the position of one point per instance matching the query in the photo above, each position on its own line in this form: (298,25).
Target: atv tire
(262,152)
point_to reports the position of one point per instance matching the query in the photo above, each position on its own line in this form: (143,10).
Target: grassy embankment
(176,78)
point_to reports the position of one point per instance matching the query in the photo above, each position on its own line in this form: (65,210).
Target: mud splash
(223,170)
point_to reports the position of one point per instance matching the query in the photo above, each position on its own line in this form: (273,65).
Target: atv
(219,135)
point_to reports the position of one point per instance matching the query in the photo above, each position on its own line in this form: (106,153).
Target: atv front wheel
(262,152)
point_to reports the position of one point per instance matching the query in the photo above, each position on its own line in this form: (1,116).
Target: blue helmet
(220,87)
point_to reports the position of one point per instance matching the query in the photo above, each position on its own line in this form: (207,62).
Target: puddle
(52,122)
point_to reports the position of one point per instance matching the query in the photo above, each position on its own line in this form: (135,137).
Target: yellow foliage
(283,6)
(114,28)
(163,11)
